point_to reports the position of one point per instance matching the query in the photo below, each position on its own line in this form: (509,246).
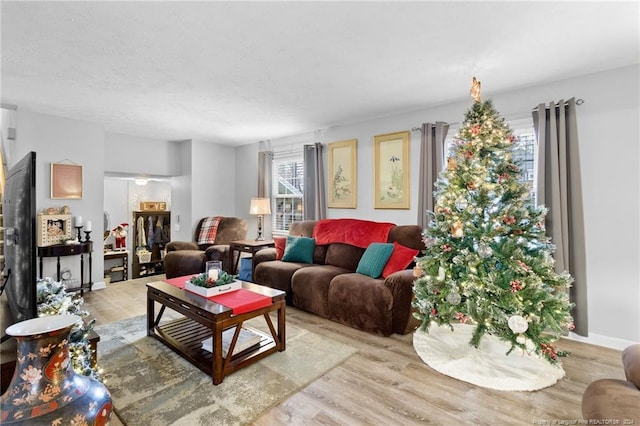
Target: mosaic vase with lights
(45,389)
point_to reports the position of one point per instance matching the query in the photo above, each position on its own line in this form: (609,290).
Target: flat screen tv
(19,221)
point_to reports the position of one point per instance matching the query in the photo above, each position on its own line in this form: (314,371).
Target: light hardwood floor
(386,383)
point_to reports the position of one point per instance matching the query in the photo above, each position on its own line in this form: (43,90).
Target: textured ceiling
(241,72)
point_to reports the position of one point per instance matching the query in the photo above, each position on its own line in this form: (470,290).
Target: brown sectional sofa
(331,287)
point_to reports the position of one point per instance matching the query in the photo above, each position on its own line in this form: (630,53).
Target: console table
(59,250)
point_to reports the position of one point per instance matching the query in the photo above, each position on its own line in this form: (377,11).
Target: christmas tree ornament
(475,89)
(454,298)
(441,274)
(418,271)
(456,229)
(484,250)
(452,163)
(461,204)
(518,324)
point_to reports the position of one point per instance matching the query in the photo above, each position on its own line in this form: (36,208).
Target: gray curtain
(431,157)
(265,161)
(559,188)
(315,204)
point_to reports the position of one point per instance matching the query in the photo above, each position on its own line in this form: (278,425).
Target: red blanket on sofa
(357,232)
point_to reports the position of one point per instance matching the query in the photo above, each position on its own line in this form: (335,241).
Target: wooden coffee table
(203,319)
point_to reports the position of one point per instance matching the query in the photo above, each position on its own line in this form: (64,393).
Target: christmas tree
(488,261)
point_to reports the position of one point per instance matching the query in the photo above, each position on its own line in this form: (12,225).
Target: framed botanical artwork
(66,180)
(391,170)
(342,174)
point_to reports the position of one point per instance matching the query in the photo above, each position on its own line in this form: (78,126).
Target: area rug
(450,353)
(152,385)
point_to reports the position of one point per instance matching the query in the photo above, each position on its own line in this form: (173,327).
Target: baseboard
(100,285)
(600,340)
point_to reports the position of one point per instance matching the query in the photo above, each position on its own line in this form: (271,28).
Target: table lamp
(260,207)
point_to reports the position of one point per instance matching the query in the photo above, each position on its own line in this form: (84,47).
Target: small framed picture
(53,229)
(342,174)
(391,170)
(66,181)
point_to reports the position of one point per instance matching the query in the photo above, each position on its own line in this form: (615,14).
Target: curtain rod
(579,102)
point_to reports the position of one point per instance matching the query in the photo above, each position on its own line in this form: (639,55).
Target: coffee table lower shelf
(185,336)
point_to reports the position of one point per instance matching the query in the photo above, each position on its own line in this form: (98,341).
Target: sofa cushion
(361,302)
(280,243)
(299,249)
(374,258)
(344,256)
(277,274)
(184,262)
(310,287)
(401,257)
(407,235)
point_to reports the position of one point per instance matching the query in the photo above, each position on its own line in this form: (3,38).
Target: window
(287,190)
(524,148)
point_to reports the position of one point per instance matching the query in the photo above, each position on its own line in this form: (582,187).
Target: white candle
(213,274)
(87,227)
(78,220)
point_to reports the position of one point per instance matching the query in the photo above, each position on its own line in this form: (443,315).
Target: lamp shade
(260,206)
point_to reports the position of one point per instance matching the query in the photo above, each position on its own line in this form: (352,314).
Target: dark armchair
(614,400)
(187,257)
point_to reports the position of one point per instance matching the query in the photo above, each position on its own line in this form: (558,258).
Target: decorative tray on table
(207,286)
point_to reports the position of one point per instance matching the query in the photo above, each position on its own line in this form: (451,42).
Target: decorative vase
(45,389)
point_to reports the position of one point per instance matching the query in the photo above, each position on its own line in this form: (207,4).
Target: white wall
(140,156)
(246,165)
(56,139)
(205,186)
(608,128)
(182,227)
(214,178)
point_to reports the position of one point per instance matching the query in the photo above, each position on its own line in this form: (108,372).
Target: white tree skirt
(488,366)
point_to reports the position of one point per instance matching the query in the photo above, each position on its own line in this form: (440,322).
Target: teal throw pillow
(374,258)
(299,249)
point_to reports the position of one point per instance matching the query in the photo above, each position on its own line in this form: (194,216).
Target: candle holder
(78,228)
(86,236)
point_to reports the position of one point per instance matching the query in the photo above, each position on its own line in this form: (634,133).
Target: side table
(59,250)
(247,246)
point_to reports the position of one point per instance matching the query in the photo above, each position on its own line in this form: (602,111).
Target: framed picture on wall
(391,170)
(342,174)
(66,181)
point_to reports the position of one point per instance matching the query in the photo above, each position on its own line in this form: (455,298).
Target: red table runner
(240,301)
